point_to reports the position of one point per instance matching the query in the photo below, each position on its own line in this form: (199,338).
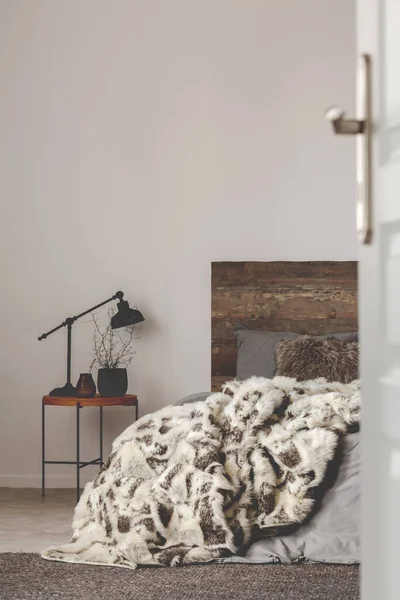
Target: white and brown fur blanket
(196,482)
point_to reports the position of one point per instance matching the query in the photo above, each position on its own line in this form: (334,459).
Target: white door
(378,35)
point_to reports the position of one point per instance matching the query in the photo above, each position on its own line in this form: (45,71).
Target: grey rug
(29,577)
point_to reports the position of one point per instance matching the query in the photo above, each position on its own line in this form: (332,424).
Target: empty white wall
(139,141)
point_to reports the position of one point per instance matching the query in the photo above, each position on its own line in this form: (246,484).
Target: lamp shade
(126,316)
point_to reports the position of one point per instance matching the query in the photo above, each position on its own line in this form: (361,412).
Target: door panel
(379,35)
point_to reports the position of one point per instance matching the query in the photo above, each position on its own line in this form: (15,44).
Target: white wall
(139,141)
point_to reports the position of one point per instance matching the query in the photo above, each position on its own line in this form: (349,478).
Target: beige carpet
(29,577)
(30,523)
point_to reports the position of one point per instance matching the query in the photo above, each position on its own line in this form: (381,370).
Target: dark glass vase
(86,387)
(112,382)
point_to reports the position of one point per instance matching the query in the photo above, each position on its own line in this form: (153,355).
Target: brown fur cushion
(308,358)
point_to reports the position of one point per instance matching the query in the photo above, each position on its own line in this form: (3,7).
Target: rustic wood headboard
(303,297)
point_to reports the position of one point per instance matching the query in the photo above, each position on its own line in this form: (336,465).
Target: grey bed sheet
(333,533)
(193,398)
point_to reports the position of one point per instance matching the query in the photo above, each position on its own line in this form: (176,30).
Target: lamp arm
(118,295)
(71,320)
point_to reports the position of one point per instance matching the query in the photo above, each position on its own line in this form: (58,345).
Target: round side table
(78,403)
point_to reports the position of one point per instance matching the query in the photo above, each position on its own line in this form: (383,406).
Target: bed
(317,298)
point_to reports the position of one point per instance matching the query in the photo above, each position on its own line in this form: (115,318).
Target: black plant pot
(112,382)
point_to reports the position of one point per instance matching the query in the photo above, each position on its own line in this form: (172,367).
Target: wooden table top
(127,400)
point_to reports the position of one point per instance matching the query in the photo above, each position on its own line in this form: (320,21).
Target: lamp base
(68,390)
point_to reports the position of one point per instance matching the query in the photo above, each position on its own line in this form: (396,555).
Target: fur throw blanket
(196,482)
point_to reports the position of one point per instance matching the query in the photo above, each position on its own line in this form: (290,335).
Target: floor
(29,577)
(30,523)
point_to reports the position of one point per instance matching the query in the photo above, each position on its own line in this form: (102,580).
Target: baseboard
(35,481)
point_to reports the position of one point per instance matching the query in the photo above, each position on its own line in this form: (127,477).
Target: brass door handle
(361,127)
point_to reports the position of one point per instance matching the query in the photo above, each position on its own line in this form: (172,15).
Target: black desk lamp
(123,318)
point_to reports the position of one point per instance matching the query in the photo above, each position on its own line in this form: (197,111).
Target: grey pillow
(256,350)
(333,533)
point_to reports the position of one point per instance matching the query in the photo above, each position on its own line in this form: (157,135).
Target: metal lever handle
(360,127)
(343,126)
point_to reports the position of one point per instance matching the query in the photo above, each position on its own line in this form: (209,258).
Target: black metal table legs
(101,436)
(78,463)
(43,449)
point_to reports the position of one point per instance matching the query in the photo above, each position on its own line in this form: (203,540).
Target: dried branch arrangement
(111,348)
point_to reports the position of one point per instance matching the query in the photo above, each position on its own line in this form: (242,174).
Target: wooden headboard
(303,297)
